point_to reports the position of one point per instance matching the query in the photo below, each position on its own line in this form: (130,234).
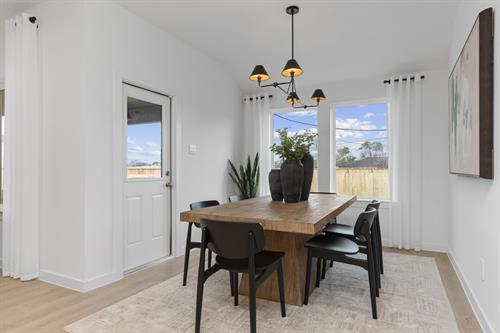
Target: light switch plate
(483,269)
(192,149)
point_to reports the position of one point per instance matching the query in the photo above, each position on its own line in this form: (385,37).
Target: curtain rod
(404,79)
(260,97)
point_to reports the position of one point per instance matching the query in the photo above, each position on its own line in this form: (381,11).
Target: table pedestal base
(294,268)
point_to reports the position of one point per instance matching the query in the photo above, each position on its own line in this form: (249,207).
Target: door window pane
(296,122)
(144,139)
(361,151)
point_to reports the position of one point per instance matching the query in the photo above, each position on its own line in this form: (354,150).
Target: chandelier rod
(293,13)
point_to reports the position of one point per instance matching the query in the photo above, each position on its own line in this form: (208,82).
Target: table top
(305,217)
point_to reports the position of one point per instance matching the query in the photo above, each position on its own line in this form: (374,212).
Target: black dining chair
(341,249)
(347,231)
(240,249)
(238,197)
(195,245)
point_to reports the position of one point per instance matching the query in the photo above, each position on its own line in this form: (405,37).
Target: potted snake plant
(247,179)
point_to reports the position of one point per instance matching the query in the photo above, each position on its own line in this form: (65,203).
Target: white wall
(87,49)
(474,203)
(2,54)
(2,82)
(435,148)
(120,44)
(62,175)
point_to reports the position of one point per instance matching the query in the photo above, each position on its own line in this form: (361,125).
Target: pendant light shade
(318,95)
(293,98)
(292,68)
(259,74)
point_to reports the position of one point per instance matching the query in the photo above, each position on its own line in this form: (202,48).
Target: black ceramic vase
(308,163)
(292,178)
(275,185)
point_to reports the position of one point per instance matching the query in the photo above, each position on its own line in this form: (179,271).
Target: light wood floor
(36,306)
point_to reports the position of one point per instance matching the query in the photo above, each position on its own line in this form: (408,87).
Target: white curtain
(22,137)
(405,160)
(257,125)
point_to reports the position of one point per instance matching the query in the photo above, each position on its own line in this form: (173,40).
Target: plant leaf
(235,173)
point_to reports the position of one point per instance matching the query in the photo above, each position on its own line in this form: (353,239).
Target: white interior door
(147,143)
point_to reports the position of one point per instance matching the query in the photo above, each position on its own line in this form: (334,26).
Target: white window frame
(333,138)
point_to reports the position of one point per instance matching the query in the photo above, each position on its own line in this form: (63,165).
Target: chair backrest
(373,204)
(364,223)
(231,240)
(203,204)
(238,197)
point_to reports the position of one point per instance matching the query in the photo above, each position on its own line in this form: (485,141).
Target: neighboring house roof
(368,162)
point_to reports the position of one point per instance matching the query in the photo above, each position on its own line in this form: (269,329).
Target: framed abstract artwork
(471,102)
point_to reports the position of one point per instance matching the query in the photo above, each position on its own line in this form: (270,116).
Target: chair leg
(253,302)
(186,255)
(376,262)
(281,286)
(331,263)
(308,276)
(372,280)
(318,272)
(377,274)
(235,288)
(231,282)
(199,301)
(323,269)
(199,291)
(209,258)
(380,248)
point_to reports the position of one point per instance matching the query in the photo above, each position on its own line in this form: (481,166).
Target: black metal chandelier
(291,70)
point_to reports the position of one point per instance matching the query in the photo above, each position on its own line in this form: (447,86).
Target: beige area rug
(412,299)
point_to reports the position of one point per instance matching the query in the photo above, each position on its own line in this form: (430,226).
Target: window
(296,121)
(144,139)
(362,151)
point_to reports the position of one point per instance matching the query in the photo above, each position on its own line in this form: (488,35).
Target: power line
(361,142)
(337,128)
(295,121)
(362,130)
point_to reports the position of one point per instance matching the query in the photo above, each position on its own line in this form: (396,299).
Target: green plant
(293,147)
(247,180)
(371,149)
(344,156)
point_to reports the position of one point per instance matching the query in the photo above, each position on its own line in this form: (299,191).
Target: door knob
(168,184)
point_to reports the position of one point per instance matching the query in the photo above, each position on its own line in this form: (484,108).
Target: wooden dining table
(287,227)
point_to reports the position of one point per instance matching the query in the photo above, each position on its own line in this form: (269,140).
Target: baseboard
(435,247)
(101,281)
(79,285)
(84,286)
(471,297)
(62,280)
(425,246)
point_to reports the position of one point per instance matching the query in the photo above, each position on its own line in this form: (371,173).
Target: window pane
(296,122)
(362,155)
(144,139)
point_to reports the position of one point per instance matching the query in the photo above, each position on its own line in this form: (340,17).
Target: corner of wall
(471,296)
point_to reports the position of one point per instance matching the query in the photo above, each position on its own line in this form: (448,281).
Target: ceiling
(335,40)
(11,7)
